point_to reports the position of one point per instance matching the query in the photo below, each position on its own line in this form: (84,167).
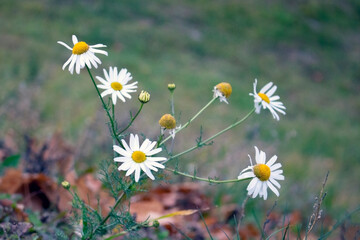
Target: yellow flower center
(167,121)
(264,97)
(138,156)
(225,88)
(116,86)
(262,171)
(80,48)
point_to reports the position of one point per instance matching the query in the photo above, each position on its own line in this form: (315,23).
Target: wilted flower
(82,54)
(168,122)
(223,91)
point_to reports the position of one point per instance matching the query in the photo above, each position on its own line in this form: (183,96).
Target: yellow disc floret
(80,48)
(116,86)
(262,171)
(225,88)
(167,121)
(138,156)
(264,97)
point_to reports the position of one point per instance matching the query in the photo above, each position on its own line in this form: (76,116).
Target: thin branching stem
(200,144)
(192,119)
(112,123)
(209,180)
(132,120)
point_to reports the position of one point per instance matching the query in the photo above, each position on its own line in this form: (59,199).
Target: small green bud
(156,224)
(171,86)
(66,185)
(144,97)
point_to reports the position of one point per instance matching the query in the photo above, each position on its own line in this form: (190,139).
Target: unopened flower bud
(65,184)
(171,86)
(167,121)
(144,97)
(156,224)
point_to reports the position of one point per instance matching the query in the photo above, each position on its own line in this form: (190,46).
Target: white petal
(122,159)
(155,151)
(275,166)
(257,155)
(120,96)
(151,146)
(67,62)
(252,184)
(136,143)
(264,190)
(145,144)
(156,159)
(273,181)
(266,87)
(74,39)
(106,92)
(121,151)
(113,96)
(126,146)
(271,91)
(65,45)
(262,157)
(147,171)
(125,166)
(137,173)
(156,164)
(246,175)
(131,170)
(273,188)
(271,161)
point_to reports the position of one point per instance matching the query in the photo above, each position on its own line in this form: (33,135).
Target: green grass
(309,49)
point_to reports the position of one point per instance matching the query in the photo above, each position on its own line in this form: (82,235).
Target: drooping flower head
(223,91)
(168,122)
(136,158)
(116,84)
(266,99)
(82,54)
(263,174)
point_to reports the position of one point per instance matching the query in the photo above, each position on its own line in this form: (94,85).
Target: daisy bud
(65,185)
(171,86)
(167,121)
(156,224)
(144,97)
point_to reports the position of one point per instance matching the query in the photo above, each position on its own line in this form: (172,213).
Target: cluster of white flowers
(136,158)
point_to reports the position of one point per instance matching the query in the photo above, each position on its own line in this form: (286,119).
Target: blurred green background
(309,49)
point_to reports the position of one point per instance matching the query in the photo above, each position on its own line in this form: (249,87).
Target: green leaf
(11,161)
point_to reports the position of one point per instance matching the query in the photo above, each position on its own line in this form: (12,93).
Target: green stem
(172,103)
(192,119)
(212,137)
(209,180)
(132,119)
(105,107)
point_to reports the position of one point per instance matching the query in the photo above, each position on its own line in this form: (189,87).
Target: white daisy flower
(82,54)
(267,100)
(264,175)
(137,158)
(223,91)
(116,84)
